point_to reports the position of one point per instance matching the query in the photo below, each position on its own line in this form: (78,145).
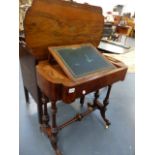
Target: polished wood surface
(57,22)
(41,28)
(56,85)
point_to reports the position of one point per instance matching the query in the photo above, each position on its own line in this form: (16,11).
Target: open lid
(81,61)
(57,23)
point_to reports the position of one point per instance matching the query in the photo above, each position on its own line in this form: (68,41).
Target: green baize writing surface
(83,60)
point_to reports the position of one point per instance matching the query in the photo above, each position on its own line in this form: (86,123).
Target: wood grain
(55,84)
(54,23)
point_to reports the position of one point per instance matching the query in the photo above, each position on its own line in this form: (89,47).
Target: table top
(57,85)
(54,73)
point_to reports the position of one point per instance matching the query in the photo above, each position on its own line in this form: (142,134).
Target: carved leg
(82,100)
(104,108)
(45,116)
(53,137)
(26,94)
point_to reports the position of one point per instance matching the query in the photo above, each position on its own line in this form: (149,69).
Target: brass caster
(106,126)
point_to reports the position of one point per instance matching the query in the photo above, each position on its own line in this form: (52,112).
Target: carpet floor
(88,137)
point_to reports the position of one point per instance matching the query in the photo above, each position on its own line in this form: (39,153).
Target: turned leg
(104,108)
(95,101)
(39,106)
(54,128)
(96,96)
(40,112)
(26,94)
(101,107)
(82,100)
(45,116)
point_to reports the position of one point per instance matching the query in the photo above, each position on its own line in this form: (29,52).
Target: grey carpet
(88,137)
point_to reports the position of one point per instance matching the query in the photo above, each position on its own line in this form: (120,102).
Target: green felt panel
(83,60)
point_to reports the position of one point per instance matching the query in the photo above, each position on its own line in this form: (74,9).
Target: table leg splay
(52,131)
(104,107)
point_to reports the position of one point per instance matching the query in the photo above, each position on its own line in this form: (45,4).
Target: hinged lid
(81,61)
(57,22)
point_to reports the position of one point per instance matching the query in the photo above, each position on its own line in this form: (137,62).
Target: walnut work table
(50,23)
(55,85)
